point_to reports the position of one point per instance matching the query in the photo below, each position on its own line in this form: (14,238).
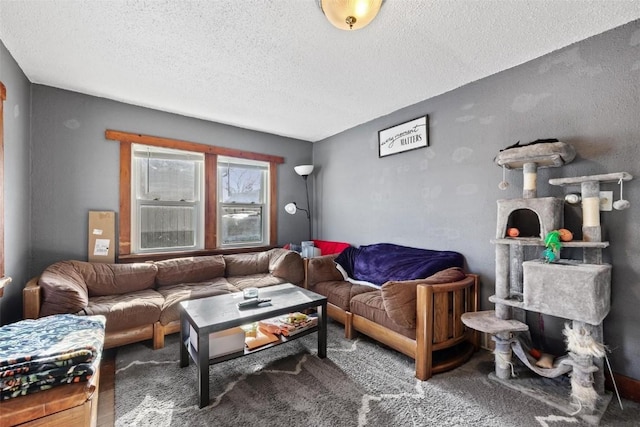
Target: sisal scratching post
(583,348)
(591,230)
(503,356)
(530,175)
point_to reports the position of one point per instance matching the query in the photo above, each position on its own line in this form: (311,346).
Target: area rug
(360,383)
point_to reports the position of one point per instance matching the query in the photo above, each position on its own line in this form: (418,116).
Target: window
(242,201)
(176,186)
(167,191)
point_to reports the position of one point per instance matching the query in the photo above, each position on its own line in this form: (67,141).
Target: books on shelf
(288,325)
(259,339)
(268,331)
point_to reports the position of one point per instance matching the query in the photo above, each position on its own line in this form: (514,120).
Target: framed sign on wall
(404,137)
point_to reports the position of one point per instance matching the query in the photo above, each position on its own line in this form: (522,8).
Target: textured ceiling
(278,66)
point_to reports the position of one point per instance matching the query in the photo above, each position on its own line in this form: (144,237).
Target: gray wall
(58,166)
(75,169)
(444,196)
(17,193)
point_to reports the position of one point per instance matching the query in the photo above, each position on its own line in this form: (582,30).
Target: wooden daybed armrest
(439,310)
(31,299)
(439,326)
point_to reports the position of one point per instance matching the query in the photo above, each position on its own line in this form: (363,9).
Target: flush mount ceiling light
(350,14)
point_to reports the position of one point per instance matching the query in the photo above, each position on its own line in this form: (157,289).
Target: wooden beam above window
(156,141)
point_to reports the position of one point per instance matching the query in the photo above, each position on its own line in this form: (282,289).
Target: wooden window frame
(263,205)
(4,281)
(211,154)
(139,199)
(3,96)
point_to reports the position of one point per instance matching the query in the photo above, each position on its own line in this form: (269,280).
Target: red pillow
(327,247)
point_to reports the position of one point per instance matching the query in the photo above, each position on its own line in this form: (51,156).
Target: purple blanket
(383,262)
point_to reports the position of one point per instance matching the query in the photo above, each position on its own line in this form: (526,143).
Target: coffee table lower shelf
(245,352)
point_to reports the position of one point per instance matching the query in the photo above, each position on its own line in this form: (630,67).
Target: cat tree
(578,291)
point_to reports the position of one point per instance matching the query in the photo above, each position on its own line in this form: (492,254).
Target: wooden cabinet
(70,405)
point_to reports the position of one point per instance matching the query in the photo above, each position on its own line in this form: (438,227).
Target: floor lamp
(304,171)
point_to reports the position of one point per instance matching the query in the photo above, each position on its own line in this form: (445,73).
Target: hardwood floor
(106,396)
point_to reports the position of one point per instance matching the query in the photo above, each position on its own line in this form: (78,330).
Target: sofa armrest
(31,299)
(322,269)
(469,282)
(439,308)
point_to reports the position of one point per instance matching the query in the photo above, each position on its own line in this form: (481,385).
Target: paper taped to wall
(101,247)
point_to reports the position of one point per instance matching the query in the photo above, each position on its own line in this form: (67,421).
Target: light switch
(606,200)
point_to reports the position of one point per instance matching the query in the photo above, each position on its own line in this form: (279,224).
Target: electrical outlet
(606,200)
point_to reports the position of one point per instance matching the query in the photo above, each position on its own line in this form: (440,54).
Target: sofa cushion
(63,289)
(339,292)
(255,281)
(189,270)
(322,269)
(286,265)
(115,279)
(370,306)
(399,297)
(174,294)
(246,264)
(139,308)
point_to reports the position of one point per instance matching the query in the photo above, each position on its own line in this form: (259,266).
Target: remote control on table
(252,302)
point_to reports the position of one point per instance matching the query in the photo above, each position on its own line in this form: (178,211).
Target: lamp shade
(350,14)
(291,208)
(303,170)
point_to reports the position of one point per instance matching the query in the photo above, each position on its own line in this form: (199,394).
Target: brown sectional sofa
(420,318)
(141,300)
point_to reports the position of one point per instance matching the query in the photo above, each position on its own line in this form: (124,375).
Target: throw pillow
(399,297)
(329,247)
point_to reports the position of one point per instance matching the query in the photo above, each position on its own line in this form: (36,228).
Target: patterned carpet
(360,383)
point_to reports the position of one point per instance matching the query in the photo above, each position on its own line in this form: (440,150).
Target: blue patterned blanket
(39,354)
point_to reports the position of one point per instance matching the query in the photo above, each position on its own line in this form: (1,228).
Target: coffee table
(220,312)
